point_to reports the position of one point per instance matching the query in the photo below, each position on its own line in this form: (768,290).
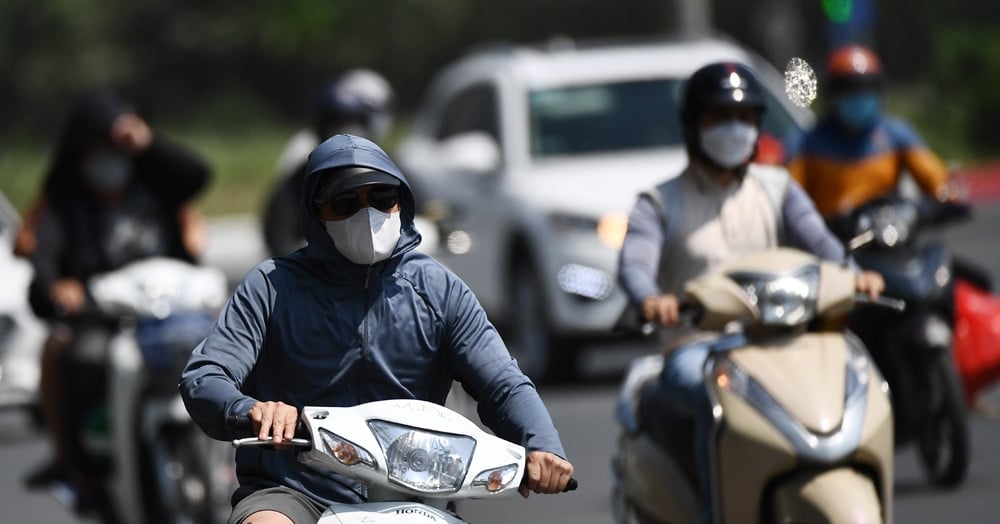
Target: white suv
(529,160)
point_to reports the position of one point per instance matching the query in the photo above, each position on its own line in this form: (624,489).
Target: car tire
(540,355)
(525,329)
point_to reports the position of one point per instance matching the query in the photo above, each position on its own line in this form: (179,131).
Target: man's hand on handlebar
(545,473)
(661,309)
(274,419)
(870,282)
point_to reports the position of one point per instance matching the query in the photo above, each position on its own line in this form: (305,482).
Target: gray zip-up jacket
(313,328)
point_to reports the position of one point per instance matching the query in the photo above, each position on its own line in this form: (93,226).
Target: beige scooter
(803,424)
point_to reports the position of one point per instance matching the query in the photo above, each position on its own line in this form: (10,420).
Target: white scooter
(417,459)
(21,332)
(158,465)
(803,425)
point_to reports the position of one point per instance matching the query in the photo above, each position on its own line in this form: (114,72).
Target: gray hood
(351,151)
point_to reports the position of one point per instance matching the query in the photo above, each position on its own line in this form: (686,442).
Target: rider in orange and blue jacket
(856,153)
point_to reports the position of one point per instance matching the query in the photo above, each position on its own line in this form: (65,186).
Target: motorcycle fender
(387,512)
(837,496)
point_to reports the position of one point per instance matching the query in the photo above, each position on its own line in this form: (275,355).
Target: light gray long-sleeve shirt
(713,225)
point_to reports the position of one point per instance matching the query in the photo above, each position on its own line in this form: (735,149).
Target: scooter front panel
(760,434)
(387,513)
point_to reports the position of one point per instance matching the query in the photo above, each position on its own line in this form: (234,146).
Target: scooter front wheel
(943,435)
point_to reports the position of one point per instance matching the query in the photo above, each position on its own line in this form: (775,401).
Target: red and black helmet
(853,67)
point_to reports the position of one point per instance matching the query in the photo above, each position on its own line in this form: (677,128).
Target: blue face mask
(859,111)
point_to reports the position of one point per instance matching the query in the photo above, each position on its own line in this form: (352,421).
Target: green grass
(243,165)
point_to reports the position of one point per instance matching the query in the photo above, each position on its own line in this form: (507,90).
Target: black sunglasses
(380,197)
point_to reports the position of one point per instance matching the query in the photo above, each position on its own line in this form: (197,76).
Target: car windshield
(605,117)
(620,116)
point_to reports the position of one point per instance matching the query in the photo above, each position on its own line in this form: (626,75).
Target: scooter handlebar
(246,436)
(688,314)
(895,304)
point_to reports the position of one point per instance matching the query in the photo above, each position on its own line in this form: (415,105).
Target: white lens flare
(800,82)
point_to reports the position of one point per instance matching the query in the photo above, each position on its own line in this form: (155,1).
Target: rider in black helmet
(721,207)
(357,102)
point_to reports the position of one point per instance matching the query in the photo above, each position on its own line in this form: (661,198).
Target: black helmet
(717,85)
(360,98)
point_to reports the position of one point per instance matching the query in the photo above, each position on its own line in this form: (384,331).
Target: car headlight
(609,228)
(585,281)
(782,300)
(424,460)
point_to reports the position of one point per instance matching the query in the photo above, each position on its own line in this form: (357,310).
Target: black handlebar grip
(243,427)
(571,485)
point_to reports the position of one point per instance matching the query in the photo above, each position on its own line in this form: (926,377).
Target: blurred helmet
(853,67)
(359,102)
(714,86)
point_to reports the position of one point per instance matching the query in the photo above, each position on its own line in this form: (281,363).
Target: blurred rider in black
(114,193)
(356,102)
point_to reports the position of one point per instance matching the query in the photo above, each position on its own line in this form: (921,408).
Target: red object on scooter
(977,338)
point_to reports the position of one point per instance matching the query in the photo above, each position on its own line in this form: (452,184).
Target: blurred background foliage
(234,78)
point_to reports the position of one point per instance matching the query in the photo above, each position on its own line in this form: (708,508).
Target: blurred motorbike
(913,348)
(803,426)
(417,459)
(148,461)
(21,332)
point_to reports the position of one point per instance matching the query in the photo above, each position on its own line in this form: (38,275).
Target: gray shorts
(290,503)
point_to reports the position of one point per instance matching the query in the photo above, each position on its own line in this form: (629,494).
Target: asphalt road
(584,414)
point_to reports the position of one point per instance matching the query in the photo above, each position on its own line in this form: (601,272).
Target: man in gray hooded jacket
(355,316)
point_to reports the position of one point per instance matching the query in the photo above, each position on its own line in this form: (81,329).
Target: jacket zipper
(364,332)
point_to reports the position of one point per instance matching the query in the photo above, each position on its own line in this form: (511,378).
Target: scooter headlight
(782,300)
(422,460)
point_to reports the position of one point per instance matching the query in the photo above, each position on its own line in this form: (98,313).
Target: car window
(621,116)
(473,109)
(604,117)
(777,121)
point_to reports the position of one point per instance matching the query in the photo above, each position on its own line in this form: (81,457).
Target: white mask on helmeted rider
(366,237)
(729,144)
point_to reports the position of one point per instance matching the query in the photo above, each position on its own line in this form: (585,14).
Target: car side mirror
(475,153)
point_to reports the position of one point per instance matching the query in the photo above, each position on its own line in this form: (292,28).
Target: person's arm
(45,258)
(927,170)
(805,228)
(508,402)
(176,173)
(639,260)
(211,382)
(26,238)
(194,231)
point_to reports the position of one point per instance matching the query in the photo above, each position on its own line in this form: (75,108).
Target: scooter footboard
(839,496)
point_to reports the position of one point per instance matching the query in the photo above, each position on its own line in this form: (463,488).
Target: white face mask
(107,171)
(729,144)
(366,237)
